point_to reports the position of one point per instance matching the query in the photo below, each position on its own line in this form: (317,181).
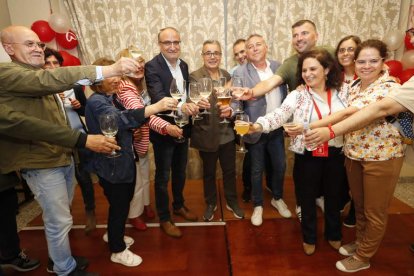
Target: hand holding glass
(195,97)
(181,120)
(135,54)
(242,127)
(109,128)
(237,85)
(206,86)
(177,90)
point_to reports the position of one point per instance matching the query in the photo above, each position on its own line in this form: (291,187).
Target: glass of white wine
(181,120)
(195,97)
(177,91)
(242,127)
(237,85)
(206,86)
(109,127)
(136,54)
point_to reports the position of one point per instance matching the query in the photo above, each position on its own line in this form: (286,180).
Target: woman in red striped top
(131,93)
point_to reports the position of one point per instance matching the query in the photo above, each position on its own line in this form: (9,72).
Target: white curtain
(104,27)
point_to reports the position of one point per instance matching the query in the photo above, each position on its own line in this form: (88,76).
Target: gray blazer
(256,108)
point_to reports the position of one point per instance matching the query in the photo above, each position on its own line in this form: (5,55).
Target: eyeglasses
(349,50)
(211,54)
(32,44)
(370,62)
(169,43)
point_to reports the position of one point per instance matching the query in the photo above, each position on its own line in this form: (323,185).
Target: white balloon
(394,39)
(59,23)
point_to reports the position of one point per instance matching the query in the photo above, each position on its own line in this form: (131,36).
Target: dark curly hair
(327,62)
(354,38)
(51,52)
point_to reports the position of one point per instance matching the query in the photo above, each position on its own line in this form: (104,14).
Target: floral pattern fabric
(380,140)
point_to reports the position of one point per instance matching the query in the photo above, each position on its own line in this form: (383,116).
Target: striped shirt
(130,98)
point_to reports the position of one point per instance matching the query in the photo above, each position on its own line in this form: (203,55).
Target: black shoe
(247,195)
(78,272)
(81,264)
(21,263)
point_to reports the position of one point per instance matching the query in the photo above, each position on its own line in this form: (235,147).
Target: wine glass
(195,97)
(242,126)
(181,120)
(206,86)
(135,53)
(109,127)
(223,95)
(177,90)
(237,84)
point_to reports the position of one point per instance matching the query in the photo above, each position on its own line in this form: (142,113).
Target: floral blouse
(380,140)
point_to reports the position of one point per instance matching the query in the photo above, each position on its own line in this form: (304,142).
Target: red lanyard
(329,104)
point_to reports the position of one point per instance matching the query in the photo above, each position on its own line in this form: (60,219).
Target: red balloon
(69,60)
(406,75)
(407,42)
(395,67)
(67,40)
(43,30)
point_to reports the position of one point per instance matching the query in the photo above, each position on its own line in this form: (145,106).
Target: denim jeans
(53,189)
(273,143)
(169,157)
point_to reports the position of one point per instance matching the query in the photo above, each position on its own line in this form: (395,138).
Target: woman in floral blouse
(374,156)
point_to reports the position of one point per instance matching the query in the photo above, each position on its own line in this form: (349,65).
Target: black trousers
(9,239)
(226,154)
(320,173)
(119,196)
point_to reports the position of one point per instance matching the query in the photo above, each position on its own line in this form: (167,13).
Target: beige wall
(4,14)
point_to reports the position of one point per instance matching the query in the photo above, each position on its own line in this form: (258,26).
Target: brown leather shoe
(335,244)
(170,229)
(309,249)
(186,214)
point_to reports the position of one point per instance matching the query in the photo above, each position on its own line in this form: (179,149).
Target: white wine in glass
(177,90)
(135,53)
(237,85)
(195,97)
(206,87)
(181,120)
(242,126)
(109,127)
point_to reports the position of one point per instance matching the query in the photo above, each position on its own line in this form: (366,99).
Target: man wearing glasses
(170,156)
(47,168)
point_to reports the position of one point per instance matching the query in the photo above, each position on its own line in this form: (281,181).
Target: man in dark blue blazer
(169,155)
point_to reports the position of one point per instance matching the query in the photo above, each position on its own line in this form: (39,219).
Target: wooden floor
(230,246)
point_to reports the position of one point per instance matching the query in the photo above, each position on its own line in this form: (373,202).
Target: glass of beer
(223,97)
(242,126)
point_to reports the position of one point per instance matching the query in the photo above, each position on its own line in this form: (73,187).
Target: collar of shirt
(172,68)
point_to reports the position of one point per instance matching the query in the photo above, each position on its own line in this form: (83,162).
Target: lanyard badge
(322,150)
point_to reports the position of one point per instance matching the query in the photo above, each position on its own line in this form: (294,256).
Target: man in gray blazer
(257,69)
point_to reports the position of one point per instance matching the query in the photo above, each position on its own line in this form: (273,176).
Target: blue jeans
(53,189)
(272,143)
(169,157)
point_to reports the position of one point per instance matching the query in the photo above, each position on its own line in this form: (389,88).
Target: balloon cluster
(57,27)
(68,59)
(403,70)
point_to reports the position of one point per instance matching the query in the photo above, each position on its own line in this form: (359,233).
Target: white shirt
(178,75)
(274,97)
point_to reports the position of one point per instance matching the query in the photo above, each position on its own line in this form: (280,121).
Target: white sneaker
(298,211)
(281,207)
(320,202)
(126,258)
(257,216)
(128,240)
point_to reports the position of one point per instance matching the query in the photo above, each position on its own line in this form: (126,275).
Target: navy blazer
(158,79)
(256,108)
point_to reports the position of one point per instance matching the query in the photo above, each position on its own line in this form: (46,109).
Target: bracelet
(331,132)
